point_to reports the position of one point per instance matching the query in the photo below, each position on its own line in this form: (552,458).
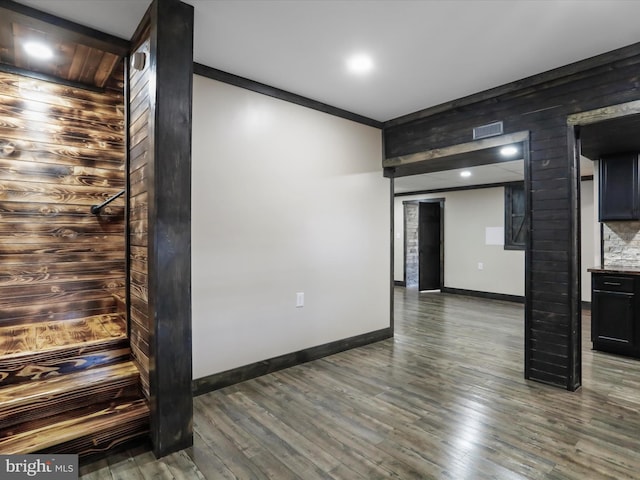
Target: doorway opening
(602,140)
(481,255)
(480,248)
(424,244)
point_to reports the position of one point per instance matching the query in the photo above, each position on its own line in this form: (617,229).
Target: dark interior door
(429,246)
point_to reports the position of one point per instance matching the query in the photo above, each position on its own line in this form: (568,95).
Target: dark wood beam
(171,64)
(461,150)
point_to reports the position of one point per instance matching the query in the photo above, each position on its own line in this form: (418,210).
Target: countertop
(615,269)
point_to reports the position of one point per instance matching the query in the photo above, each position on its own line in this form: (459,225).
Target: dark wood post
(169,249)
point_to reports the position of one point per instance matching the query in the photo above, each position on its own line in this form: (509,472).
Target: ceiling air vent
(488,130)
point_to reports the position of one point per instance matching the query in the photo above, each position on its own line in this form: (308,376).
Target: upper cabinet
(619,187)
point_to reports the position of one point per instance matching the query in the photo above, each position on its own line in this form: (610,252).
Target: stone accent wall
(411,223)
(621,244)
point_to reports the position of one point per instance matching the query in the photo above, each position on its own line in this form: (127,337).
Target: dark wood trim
(236,375)
(391,256)
(476,293)
(460,155)
(557,74)
(455,156)
(574,332)
(231,79)
(5,67)
(127,196)
(609,112)
(455,189)
(528,262)
(169,255)
(399,283)
(584,178)
(442,240)
(404,243)
(65,29)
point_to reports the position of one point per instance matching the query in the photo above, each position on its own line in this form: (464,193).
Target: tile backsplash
(621,243)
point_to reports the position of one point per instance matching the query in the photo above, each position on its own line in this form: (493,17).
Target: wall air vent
(488,130)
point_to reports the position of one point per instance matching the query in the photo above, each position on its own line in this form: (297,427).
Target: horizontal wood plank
(75,431)
(29,401)
(66,154)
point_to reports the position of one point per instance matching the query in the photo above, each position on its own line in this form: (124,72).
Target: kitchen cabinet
(619,192)
(614,313)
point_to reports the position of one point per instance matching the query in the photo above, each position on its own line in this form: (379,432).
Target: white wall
(285,199)
(466,214)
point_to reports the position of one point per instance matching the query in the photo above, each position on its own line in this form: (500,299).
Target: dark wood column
(169,229)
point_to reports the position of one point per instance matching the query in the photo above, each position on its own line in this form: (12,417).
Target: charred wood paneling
(139,100)
(61,151)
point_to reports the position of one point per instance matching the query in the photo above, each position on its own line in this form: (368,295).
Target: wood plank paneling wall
(553,294)
(61,151)
(139,102)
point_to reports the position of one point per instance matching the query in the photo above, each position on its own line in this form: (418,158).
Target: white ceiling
(426,52)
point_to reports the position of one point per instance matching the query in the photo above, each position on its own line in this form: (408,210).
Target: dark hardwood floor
(444,399)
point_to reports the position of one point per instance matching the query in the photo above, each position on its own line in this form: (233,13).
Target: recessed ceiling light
(465,173)
(508,151)
(38,50)
(360,64)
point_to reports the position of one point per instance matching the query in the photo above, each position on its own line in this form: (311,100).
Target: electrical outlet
(299,299)
(480,266)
